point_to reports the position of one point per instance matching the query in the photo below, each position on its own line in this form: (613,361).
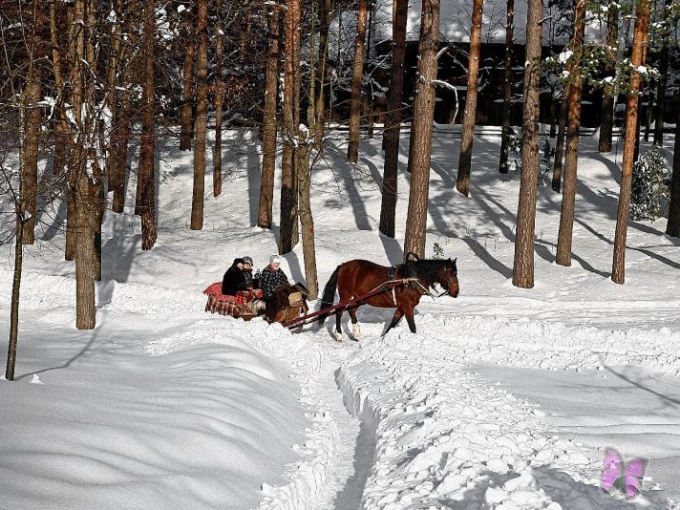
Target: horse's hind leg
(338,327)
(356,330)
(395,320)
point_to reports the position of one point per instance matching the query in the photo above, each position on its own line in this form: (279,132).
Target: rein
(426,291)
(416,283)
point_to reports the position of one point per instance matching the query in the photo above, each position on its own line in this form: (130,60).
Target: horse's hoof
(339,337)
(356,332)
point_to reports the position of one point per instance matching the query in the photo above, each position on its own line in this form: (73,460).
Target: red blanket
(236,306)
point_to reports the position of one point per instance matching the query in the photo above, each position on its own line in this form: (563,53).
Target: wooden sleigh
(289,303)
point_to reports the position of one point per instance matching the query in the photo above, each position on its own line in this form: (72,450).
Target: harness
(409,278)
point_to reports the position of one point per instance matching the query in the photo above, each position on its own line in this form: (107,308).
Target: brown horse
(400,287)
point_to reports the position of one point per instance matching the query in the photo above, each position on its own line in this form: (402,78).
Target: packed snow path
(423,430)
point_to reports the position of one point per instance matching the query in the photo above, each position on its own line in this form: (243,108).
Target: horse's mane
(425,269)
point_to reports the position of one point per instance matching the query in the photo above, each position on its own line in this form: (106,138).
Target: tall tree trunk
(423,115)
(71,227)
(638,57)
(98,200)
(625,15)
(201,117)
(31,124)
(148,145)
(120,139)
(573,133)
(470,116)
(661,89)
(186,110)
(306,218)
(607,124)
(115,53)
(289,213)
(29,151)
(60,129)
(556,184)
(269,128)
(673,225)
(306,138)
(96,144)
(86,251)
(523,270)
(16,288)
(79,180)
(72,147)
(219,102)
(507,87)
(320,103)
(395,97)
(357,79)
(650,111)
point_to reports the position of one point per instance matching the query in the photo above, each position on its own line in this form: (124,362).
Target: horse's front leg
(356,330)
(411,321)
(398,314)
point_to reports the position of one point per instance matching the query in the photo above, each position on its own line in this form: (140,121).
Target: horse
(399,287)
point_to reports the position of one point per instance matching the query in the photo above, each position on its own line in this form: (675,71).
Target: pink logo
(628,480)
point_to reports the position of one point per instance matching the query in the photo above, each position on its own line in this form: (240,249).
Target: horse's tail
(329,294)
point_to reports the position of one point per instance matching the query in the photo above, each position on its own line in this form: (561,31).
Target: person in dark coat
(271,277)
(248,272)
(234,279)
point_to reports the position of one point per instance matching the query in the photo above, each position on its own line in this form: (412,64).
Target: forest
(83,81)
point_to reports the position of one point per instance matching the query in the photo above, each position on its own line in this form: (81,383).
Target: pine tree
(649,189)
(423,113)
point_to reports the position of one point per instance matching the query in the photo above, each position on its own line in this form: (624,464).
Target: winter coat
(269,280)
(248,275)
(233,281)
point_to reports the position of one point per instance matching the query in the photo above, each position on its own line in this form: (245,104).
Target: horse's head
(448,277)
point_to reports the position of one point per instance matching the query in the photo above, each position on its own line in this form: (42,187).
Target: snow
(505,398)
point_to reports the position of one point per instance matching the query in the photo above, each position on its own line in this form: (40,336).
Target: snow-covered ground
(504,399)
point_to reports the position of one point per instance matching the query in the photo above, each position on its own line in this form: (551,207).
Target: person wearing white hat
(271,277)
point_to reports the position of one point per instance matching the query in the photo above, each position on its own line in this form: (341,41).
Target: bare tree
(507,87)
(219,92)
(638,57)
(320,103)
(662,83)
(60,127)
(556,184)
(288,236)
(201,116)
(470,116)
(118,100)
(306,137)
(269,127)
(423,114)
(607,124)
(20,221)
(83,184)
(186,110)
(146,152)
(393,119)
(523,270)
(564,240)
(357,79)
(32,127)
